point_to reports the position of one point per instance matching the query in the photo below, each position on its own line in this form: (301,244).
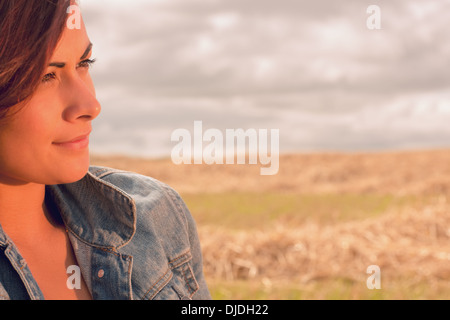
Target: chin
(72,171)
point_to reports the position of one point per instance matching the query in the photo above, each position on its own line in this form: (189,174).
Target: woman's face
(46,141)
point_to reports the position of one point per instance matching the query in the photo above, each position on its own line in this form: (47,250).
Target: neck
(22,209)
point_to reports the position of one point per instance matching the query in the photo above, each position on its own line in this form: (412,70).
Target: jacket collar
(95,211)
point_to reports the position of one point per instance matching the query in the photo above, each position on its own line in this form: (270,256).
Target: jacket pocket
(178,283)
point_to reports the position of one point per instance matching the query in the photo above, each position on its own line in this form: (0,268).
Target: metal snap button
(101,273)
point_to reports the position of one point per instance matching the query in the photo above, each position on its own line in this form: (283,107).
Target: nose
(82,104)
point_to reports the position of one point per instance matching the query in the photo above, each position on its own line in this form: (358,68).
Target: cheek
(21,150)
(25,143)
(31,129)
(27,152)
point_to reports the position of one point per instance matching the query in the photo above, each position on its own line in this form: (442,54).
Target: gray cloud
(240,62)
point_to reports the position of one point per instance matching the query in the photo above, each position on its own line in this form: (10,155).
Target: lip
(77,143)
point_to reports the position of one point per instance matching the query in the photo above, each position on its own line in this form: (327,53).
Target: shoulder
(159,208)
(127,180)
(139,187)
(165,238)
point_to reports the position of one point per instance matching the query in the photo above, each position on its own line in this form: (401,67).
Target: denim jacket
(132,236)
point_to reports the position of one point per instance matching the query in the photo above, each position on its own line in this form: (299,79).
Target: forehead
(72,43)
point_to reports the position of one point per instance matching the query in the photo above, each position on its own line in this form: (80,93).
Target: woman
(68,230)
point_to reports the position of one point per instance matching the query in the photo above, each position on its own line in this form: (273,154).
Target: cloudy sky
(312,69)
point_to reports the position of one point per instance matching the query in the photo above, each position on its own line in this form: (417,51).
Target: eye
(49,77)
(86,63)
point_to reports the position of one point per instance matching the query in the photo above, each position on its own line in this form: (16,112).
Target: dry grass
(411,242)
(420,172)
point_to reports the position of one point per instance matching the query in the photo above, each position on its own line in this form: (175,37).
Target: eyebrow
(88,49)
(63,64)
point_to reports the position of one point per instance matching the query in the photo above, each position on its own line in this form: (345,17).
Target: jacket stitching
(154,285)
(104,248)
(194,290)
(131,205)
(25,281)
(171,267)
(183,255)
(183,270)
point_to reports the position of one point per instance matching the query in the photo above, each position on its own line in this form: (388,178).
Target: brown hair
(29,32)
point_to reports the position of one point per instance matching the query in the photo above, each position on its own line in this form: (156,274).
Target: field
(312,230)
